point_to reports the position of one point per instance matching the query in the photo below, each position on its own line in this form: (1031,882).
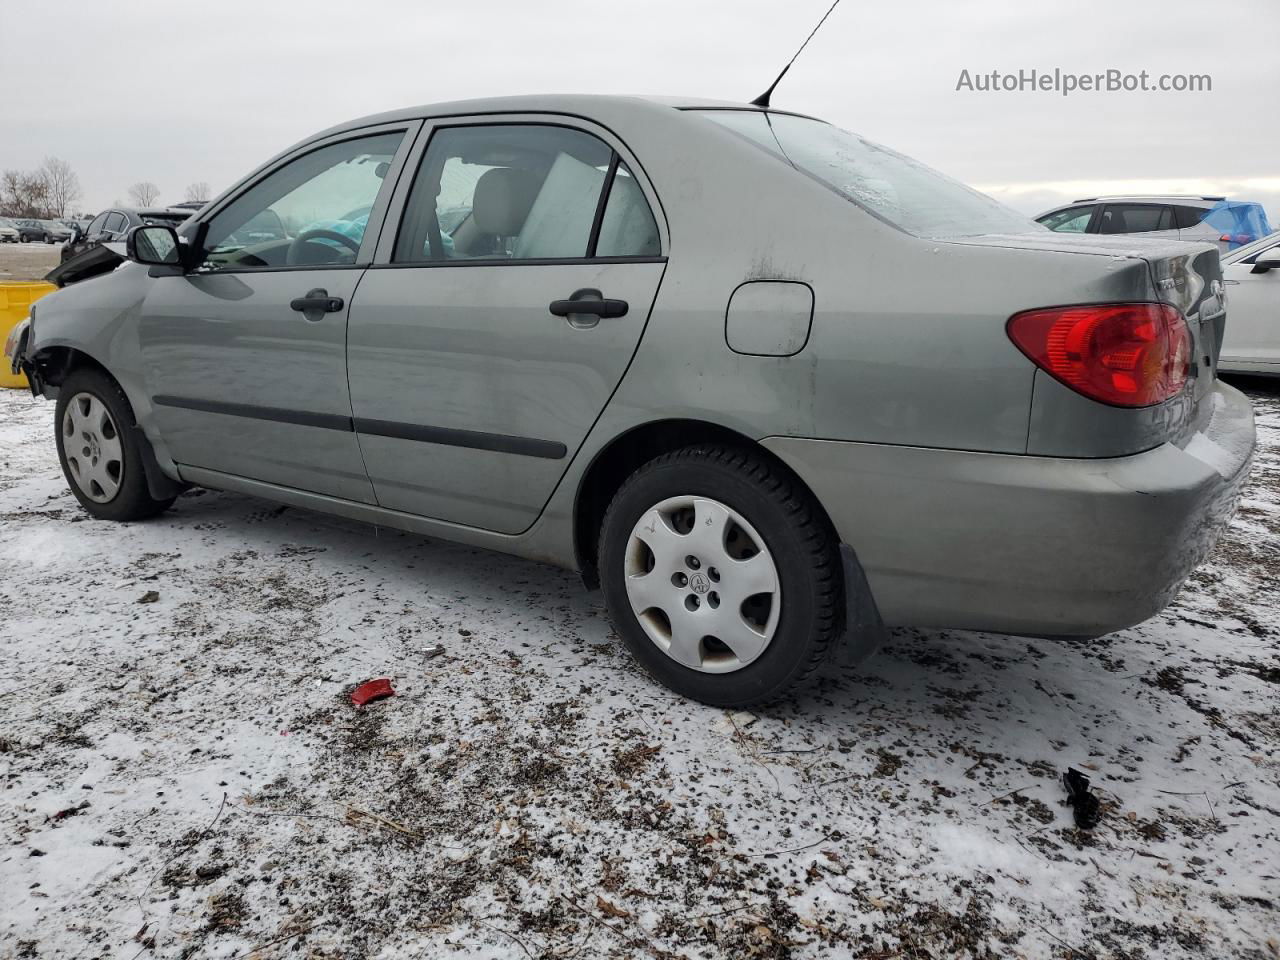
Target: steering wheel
(294,255)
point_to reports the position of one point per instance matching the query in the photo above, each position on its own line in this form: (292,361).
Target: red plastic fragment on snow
(378,689)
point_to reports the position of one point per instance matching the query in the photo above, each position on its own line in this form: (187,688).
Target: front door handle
(316,301)
(590,302)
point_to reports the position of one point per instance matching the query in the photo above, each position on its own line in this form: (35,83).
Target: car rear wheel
(721,574)
(100,449)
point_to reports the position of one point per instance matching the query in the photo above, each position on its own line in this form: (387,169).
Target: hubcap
(703,584)
(92,447)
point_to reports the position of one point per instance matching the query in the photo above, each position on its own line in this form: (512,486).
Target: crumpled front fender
(15,345)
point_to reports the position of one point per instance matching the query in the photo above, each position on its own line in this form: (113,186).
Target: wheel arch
(55,363)
(626,453)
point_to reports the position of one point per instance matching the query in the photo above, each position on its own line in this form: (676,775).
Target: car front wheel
(721,574)
(100,449)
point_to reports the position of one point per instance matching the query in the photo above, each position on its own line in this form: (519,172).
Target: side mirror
(76,235)
(153,245)
(1267,260)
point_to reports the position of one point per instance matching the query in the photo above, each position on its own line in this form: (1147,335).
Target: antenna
(763,99)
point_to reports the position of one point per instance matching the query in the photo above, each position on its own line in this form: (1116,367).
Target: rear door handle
(316,301)
(589,301)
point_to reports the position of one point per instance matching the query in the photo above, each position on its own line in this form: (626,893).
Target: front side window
(895,188)
(96,226)
(1071,220)
(522,192)
(115,223)
(311,212)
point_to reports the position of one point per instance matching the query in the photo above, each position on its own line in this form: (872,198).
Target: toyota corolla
(772,386)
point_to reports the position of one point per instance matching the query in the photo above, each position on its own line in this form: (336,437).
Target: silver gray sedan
(771,386)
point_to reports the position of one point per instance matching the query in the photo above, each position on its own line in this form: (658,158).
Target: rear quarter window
(1186,217)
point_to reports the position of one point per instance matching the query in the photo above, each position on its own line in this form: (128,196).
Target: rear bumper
(1030,545)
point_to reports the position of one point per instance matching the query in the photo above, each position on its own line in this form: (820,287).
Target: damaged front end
(41,371)
(15,346)
(16,359)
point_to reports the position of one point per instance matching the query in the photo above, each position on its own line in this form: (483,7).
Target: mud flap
(159,484)
(864,631)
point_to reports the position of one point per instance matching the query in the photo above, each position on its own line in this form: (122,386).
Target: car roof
(150,211)
(576,104)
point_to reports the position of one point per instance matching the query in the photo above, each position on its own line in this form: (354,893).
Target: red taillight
(1125,354)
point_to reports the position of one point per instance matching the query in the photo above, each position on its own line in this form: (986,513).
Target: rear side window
(523,192)
(1071,220)
(895,188)
(1135,218)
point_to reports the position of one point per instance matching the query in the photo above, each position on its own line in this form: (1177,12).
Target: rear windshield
(894,188)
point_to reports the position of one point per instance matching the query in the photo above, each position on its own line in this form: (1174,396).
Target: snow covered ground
(182,775)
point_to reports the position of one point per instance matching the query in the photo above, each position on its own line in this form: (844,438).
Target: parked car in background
(112,226)
(1228,223)
(8,231)
(56,231)
(1252,277)
(851,395)
(31,231)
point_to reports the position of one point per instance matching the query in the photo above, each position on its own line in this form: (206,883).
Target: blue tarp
(1238,222)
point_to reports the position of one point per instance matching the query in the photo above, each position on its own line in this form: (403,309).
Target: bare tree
(143,193)
(62,185)
(10,186)
(198,191)
(24,194)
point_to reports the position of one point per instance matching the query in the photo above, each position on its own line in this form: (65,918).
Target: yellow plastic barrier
(15,301)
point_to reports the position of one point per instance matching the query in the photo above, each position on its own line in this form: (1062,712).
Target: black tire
(797,534)
(133,500)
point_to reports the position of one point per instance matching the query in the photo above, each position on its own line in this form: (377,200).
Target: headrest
(502,200)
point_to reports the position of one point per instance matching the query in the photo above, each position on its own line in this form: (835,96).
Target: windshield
(895,188)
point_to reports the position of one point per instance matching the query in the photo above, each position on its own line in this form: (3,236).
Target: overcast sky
(176,92)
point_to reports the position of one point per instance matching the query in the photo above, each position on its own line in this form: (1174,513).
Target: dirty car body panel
(975,490)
